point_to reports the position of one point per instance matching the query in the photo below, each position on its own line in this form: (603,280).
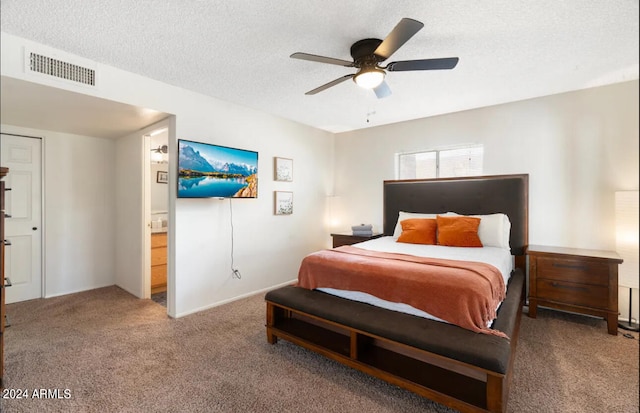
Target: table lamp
(627,248)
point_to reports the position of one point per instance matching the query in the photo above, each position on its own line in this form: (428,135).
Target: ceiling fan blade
(398,36)
(328,85)
(321,59)
(424,64)
(383,90)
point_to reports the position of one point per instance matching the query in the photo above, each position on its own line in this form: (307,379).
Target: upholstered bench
(413,352)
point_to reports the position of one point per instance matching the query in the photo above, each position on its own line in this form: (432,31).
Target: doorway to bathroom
(158,212)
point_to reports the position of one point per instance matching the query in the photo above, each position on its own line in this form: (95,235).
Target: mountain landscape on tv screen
(190,159)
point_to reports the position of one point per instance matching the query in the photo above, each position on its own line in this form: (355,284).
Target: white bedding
(498,257)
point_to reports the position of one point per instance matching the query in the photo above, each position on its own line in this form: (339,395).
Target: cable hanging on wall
(234,272)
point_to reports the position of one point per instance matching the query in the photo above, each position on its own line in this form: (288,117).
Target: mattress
(498,257)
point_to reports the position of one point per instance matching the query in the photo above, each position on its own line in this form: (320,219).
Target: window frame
(437,153)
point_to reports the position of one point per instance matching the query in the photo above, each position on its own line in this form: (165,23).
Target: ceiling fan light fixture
(369,78)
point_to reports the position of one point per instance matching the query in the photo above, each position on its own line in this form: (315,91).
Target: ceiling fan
(369,53)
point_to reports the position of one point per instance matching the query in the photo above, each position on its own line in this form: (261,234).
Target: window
(444,163)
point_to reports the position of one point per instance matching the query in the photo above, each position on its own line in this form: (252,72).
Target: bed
(463,369)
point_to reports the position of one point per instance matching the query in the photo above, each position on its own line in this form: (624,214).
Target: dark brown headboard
(508,194)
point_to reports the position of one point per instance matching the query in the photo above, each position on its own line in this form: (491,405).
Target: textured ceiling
(238,50)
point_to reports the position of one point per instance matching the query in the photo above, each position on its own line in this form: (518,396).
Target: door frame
(170,124)
(146,214)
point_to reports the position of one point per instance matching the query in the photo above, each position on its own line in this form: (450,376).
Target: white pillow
(494,230)
(411,215)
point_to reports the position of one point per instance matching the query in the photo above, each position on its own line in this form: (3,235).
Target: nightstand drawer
(585,295)
(573,270)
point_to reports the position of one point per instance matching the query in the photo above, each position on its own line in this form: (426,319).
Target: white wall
(79,197)
(159,191)
(267,248)
(578,149)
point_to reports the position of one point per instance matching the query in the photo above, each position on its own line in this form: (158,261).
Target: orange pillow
(458,231)
(418,231)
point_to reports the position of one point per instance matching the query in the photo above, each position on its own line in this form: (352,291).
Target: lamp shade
(627,237)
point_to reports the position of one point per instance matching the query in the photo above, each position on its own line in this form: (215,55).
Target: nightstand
(346,238)
(578,280)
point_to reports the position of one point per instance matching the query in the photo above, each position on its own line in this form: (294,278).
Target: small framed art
(283,203)
(283,169)
(162,177)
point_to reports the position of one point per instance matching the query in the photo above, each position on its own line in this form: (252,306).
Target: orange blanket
(463,293)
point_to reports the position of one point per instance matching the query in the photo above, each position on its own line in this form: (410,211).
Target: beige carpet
(115,353)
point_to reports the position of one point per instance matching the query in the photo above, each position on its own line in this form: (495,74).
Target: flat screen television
(212,171)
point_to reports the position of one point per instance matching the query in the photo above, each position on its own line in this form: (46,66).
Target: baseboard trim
(230,300)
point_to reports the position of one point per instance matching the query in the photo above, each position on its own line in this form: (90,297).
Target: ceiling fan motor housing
(362,53)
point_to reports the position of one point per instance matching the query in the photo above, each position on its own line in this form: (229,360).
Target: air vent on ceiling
(61,69)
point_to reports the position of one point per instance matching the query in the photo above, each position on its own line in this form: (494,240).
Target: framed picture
(162,177)
(283,204)
(283,169)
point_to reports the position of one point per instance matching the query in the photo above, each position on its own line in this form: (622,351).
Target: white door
(23,225)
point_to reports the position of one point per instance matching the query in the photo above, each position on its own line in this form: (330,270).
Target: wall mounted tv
(212,171)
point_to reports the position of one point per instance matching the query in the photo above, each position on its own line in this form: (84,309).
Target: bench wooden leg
(271,338)
(271,315)
(495,394)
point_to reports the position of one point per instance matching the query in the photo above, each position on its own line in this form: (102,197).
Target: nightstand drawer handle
(570,266)
(569,287)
